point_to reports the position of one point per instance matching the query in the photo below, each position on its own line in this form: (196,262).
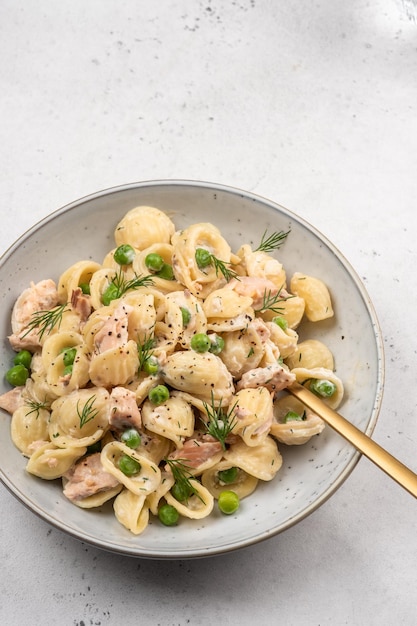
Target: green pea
(154,262)
(17,375)
(151,365)
(200,342)
(131,438)
(166,272)
(85,288)
(69,355)
(110,293)
(24,357)
(281,322)
(158,395)
(186,316)
(322,387)
(292,416)
(228,502)
(68,370)
(124,254)
(168,515)
(202,258)
(217,344)
(181,492)
(228,476)
(129,466)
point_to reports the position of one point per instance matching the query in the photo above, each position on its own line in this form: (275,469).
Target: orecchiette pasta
(132,511)
(144,481)
(174,419)
(305,376)
(78,274)
(29,425)
(310,354)
(318,305)
(262,461)
(201,375)
(253,415)
(50,461)
(294,431)
(243,484)
(143,226)
(199,280)
(158,377)
(198,505)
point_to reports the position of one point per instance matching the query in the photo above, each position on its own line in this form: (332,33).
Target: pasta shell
(304,375)
(204,235)
(165,251)
(197,322)
(261,461)
(143,226)
(285,340)
(28,426)
(253,415)
(99,283)
(79,273)
(50,462)
(174,419)
(225,303)
(132,511)
(142,483)
(262,265)
(243,351)
(243,485)
(115,367)
(153,446)
(80,418)
(198,506)
(294,432)
(198,374)
(310,354)
(315,295)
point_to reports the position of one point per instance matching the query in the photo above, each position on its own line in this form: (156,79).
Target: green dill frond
(145,349)
(272,242)
(122,285)
(222,268)
(270,301)
(87,413)
(45,321)
(220,422)
(35,407)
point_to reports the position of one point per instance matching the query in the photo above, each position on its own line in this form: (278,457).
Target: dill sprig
(222,267)
(220,422)
(121,285)
(45,321)
(272,242)
(35,407)
(88,413)
(145,349)
(270,301)
(182,475)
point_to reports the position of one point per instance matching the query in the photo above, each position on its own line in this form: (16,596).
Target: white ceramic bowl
(310,473)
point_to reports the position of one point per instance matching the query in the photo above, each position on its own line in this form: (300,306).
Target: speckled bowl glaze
(310,474)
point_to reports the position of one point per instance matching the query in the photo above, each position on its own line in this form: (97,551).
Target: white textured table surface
(310,104)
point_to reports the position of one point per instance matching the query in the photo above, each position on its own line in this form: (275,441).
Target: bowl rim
(380,371)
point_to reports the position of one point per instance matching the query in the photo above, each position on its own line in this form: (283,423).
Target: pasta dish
(156,378)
